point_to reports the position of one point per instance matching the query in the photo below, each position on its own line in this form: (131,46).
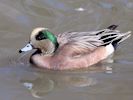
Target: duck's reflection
(44,85)
(39,86)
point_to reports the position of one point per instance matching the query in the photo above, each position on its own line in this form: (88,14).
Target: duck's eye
(41,36)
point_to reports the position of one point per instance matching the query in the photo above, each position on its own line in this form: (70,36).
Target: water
(21,81)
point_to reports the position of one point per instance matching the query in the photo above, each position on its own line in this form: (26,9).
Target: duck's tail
(112,27)
(113,36)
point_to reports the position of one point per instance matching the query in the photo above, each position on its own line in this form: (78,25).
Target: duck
(72,50)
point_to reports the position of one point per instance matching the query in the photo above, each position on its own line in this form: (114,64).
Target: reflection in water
(47,83)
(39,86)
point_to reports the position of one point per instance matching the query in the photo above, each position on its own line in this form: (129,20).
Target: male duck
(72,50)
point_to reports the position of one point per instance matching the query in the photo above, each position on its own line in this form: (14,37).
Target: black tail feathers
(111,39)
(115,43)
(112,27)
(113,36)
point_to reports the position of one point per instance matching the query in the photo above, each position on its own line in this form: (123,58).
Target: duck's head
(42,40)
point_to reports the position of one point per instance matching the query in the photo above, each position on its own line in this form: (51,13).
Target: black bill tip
(20,51)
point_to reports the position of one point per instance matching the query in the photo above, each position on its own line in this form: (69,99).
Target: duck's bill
(28,47)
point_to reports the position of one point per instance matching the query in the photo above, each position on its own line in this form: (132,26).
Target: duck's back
(92,40)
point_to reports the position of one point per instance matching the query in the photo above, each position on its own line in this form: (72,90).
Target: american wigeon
(72,50)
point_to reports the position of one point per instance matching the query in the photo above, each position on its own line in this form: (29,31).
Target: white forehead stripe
(36,30)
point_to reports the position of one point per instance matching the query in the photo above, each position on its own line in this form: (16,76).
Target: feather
(92,40)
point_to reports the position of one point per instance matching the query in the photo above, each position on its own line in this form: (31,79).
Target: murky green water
(20,81)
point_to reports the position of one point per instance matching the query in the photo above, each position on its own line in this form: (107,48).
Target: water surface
(21,81)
